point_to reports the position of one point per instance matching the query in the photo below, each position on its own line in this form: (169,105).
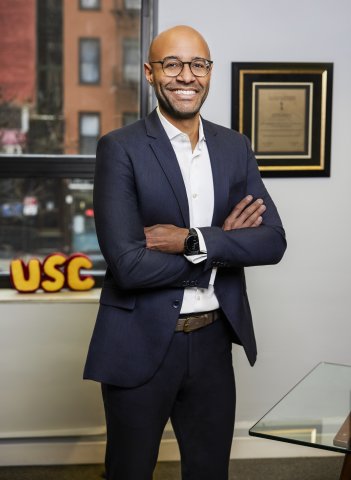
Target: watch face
(192,244)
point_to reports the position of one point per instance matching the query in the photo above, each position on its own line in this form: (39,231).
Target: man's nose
(186,75)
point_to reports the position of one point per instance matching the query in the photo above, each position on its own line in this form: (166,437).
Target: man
(180,209)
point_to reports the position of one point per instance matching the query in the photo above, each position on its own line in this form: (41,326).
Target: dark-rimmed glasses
(172,67)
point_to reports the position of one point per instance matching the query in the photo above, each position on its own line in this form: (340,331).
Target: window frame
(80,166)
(124,118)
(80,43)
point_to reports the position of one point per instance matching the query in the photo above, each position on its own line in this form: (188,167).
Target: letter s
(54,279)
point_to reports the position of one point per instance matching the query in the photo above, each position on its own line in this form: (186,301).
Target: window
(89,60)
(132,4)
(50,121)
(40,216)
(89,4)
(89,132)
(131,60)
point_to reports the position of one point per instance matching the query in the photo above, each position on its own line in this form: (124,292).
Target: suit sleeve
(120,229)
(263,245)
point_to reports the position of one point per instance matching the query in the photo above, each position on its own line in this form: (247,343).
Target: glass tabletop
(315,413)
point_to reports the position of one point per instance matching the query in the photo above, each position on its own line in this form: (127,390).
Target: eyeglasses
(172,67)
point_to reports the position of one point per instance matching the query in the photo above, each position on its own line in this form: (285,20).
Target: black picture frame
(285,110)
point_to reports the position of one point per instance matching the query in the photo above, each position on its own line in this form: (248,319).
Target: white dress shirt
(197,176)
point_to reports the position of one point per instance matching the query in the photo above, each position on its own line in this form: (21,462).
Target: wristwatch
(191,243)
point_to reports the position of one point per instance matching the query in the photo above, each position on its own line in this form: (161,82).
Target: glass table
(315,413)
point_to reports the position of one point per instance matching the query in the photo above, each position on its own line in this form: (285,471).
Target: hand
(245,214)
(165,238)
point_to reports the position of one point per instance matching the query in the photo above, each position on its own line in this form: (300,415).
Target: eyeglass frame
(210,62)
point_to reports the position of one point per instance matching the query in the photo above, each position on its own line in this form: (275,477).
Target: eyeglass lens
(173,67)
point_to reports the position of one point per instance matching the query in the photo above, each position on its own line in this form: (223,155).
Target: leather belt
(188,323)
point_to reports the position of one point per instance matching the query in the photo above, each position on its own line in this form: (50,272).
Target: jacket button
(176,304)
(192,283)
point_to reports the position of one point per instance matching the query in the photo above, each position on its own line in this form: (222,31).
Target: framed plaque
(285,110)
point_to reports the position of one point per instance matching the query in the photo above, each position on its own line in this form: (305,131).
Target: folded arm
(170,238)
(244,247)
(252,234)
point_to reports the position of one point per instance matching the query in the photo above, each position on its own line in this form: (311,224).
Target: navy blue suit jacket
(138,183)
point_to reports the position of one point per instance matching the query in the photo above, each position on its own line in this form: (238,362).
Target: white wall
(302,306)
(48,414)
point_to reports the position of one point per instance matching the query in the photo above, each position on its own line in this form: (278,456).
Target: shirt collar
(173,131)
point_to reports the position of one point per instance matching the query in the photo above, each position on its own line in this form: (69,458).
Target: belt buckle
(187,326)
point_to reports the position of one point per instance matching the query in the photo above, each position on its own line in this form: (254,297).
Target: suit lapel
(219,173)
(167,159)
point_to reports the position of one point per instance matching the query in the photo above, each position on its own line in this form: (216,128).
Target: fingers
(253,213)
(258,222)
(245,214)
(240,207)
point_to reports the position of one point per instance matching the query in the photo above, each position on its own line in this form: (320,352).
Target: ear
(148,73)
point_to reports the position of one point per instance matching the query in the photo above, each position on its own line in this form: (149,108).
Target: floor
(317,468)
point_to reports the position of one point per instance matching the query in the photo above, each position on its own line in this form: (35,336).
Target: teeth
(185,92)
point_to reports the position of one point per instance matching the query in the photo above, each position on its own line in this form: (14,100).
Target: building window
(89,132)
(131,60)
(89,4)
(89,60)
(132,4)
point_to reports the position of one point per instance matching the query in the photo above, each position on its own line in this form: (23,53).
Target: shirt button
(176,304)
(195,195)
(198,298)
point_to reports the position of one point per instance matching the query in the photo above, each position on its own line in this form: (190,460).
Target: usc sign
(54,273)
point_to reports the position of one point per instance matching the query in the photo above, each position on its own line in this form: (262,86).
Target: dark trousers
(194,387)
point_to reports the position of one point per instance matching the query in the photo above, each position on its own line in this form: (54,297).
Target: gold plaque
(280,124)
(285,110)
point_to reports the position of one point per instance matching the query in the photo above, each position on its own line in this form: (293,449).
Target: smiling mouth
(184,92)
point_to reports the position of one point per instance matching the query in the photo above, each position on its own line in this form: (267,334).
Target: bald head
(179,96)
(178,38)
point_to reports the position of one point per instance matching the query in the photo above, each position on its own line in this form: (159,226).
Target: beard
(171,108)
